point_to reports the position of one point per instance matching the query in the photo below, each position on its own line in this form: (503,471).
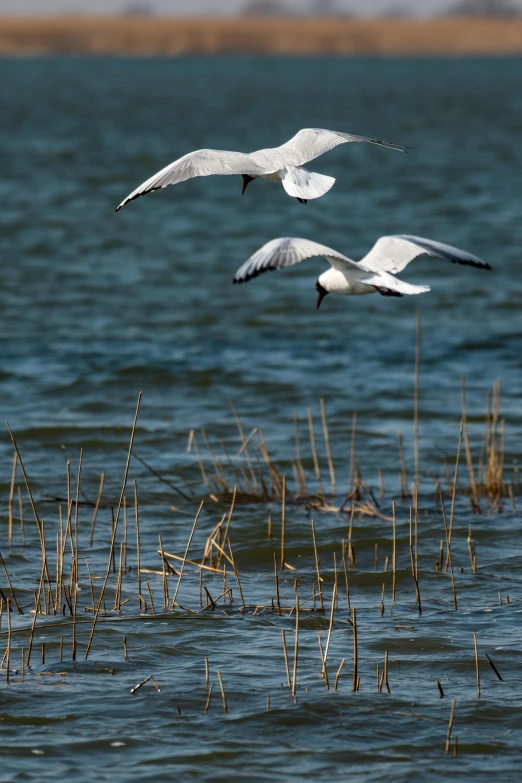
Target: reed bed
(78,592)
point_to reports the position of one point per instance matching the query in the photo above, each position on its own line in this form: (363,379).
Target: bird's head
(246,181)
(322,293)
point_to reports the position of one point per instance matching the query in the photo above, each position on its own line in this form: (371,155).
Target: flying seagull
(281,164)
(374,273)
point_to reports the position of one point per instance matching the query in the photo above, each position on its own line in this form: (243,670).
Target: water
(96,307)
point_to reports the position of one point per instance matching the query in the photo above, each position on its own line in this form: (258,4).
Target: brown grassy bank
(175,36)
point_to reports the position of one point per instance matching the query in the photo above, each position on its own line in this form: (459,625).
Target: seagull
(374,273)
(281,164)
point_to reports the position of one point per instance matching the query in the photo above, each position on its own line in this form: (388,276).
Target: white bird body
(282,164)
(374,273)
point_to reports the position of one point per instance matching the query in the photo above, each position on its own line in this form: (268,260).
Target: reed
(477,671)
(318,570)
(448,547)
(326,436)
(223,694)
(416,401)
(296,646)
(493,667)
(115,528)
(186,553)
(450,726)
(355,684)
(283,517)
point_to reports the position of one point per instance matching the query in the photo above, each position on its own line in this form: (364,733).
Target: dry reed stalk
(414,567)
(416,401)
(403,475)
(10,585)
(338,674)
(330,627)
(209,696)
(394,552)
(319,580)
(454,493)
(376,556)
(327,446)
(96,507)
(23,662)
(269,535)
(229,518)
(477,672)
(186,553)
(115,528)
(138,548)
(43,653)
(244,446)
(469,459)
(285,653)
(200,461)
(351,486)
(21,514)
(8,651)
(10,500)
(355,656)
(471,550)
(219,477)
(192,562)
(385,672)
(33,506)
(277,585)
(164,576)
(314,451)
(300,469)
(150,597)
(347,586)
(141,684)
(236,573)
(493,666)
(448,547)
(450,725)
(283,515)
(267,702)
(223,694)
(117,596)
(296,648)
(382,599)
(77,506)
(324,672)
(381,483)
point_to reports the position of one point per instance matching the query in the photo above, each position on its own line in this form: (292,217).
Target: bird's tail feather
(300,183)
(389,282)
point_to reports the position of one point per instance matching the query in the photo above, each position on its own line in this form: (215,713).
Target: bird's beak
(246,180)
(321,294)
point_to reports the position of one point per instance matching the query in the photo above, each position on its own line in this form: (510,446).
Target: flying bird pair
(284,164)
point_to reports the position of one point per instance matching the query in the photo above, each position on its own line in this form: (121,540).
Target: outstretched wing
(309,143)
(394,253)
(200,163)
(287,251)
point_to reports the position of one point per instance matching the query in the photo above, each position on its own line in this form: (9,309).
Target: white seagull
(374,273)
(280,164)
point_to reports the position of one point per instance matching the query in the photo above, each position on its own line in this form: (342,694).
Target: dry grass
(178,36)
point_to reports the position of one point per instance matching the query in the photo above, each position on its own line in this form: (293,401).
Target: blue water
(96,307)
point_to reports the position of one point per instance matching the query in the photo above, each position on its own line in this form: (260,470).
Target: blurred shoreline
(170,36)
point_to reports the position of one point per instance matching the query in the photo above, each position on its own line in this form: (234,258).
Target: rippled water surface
(96,307)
